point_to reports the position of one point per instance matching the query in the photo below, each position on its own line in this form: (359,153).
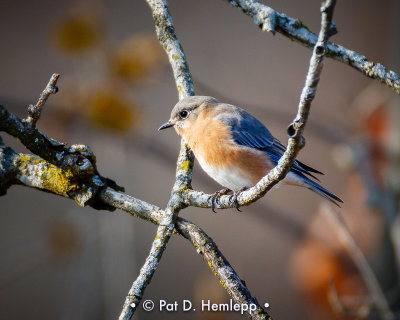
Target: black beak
(166,125)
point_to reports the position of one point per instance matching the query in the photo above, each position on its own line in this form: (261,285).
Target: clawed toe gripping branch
(71,171)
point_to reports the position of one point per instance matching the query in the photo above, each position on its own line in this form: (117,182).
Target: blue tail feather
(317,188)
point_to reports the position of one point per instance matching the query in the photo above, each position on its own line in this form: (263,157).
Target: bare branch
(166,34)
(344,235)
(295,130)
(202,242)
(269,19)
(164,29)
(34,111)
(67,171)
(136,292)
(34,172)
(8,170)
(76,165)
(221,267)
(49,149)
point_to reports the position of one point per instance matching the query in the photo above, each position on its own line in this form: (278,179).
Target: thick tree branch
(79,182)
(269,19)
(34,172)
(295,130)
(10,172)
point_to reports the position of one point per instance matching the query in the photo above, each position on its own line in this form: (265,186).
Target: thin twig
(34,111)
(295,130)
(269,19)
(355,253)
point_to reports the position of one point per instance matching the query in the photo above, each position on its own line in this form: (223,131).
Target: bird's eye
(184,114)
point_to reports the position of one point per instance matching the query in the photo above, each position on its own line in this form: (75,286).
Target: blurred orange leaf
(63,240)
(113,112)
(137,58)
(314,265)
(78,33)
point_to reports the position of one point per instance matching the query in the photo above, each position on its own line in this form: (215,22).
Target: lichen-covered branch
(78,158)
(78,182)
(136,292)
(271,20)
(34,172)
(71,171)
(295,130)
(8,171)
(200,240)
(221,267)
(166,34)
(11,172)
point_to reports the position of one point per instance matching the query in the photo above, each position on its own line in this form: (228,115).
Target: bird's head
(186,112)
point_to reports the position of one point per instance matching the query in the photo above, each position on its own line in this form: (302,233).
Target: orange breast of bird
(211,140)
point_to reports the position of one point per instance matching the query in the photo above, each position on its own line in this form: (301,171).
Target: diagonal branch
(33,171)
(136,292)
(73,176)
(295,130)
(271,20)
(200,240)
(227,276)
(166,34)
(12,173)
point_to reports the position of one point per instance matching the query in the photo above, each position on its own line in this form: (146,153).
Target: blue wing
(248,131)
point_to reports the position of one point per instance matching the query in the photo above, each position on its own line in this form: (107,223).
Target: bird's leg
(234,197)
(215,197)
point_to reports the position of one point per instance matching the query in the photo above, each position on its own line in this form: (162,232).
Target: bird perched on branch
(234,148)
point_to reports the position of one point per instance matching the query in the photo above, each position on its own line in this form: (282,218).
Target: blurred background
(60,261)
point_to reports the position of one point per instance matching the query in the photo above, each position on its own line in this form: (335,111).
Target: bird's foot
(215,197)
(234,197)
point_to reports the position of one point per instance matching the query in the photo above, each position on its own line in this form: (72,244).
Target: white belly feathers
(233,178)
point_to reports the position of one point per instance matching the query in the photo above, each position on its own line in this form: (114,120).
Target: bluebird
(234,148)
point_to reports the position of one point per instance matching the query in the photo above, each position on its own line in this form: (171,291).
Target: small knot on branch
(319,50)
(302,142)
(332,29)
(294,128)
(291,131)
(268,20)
